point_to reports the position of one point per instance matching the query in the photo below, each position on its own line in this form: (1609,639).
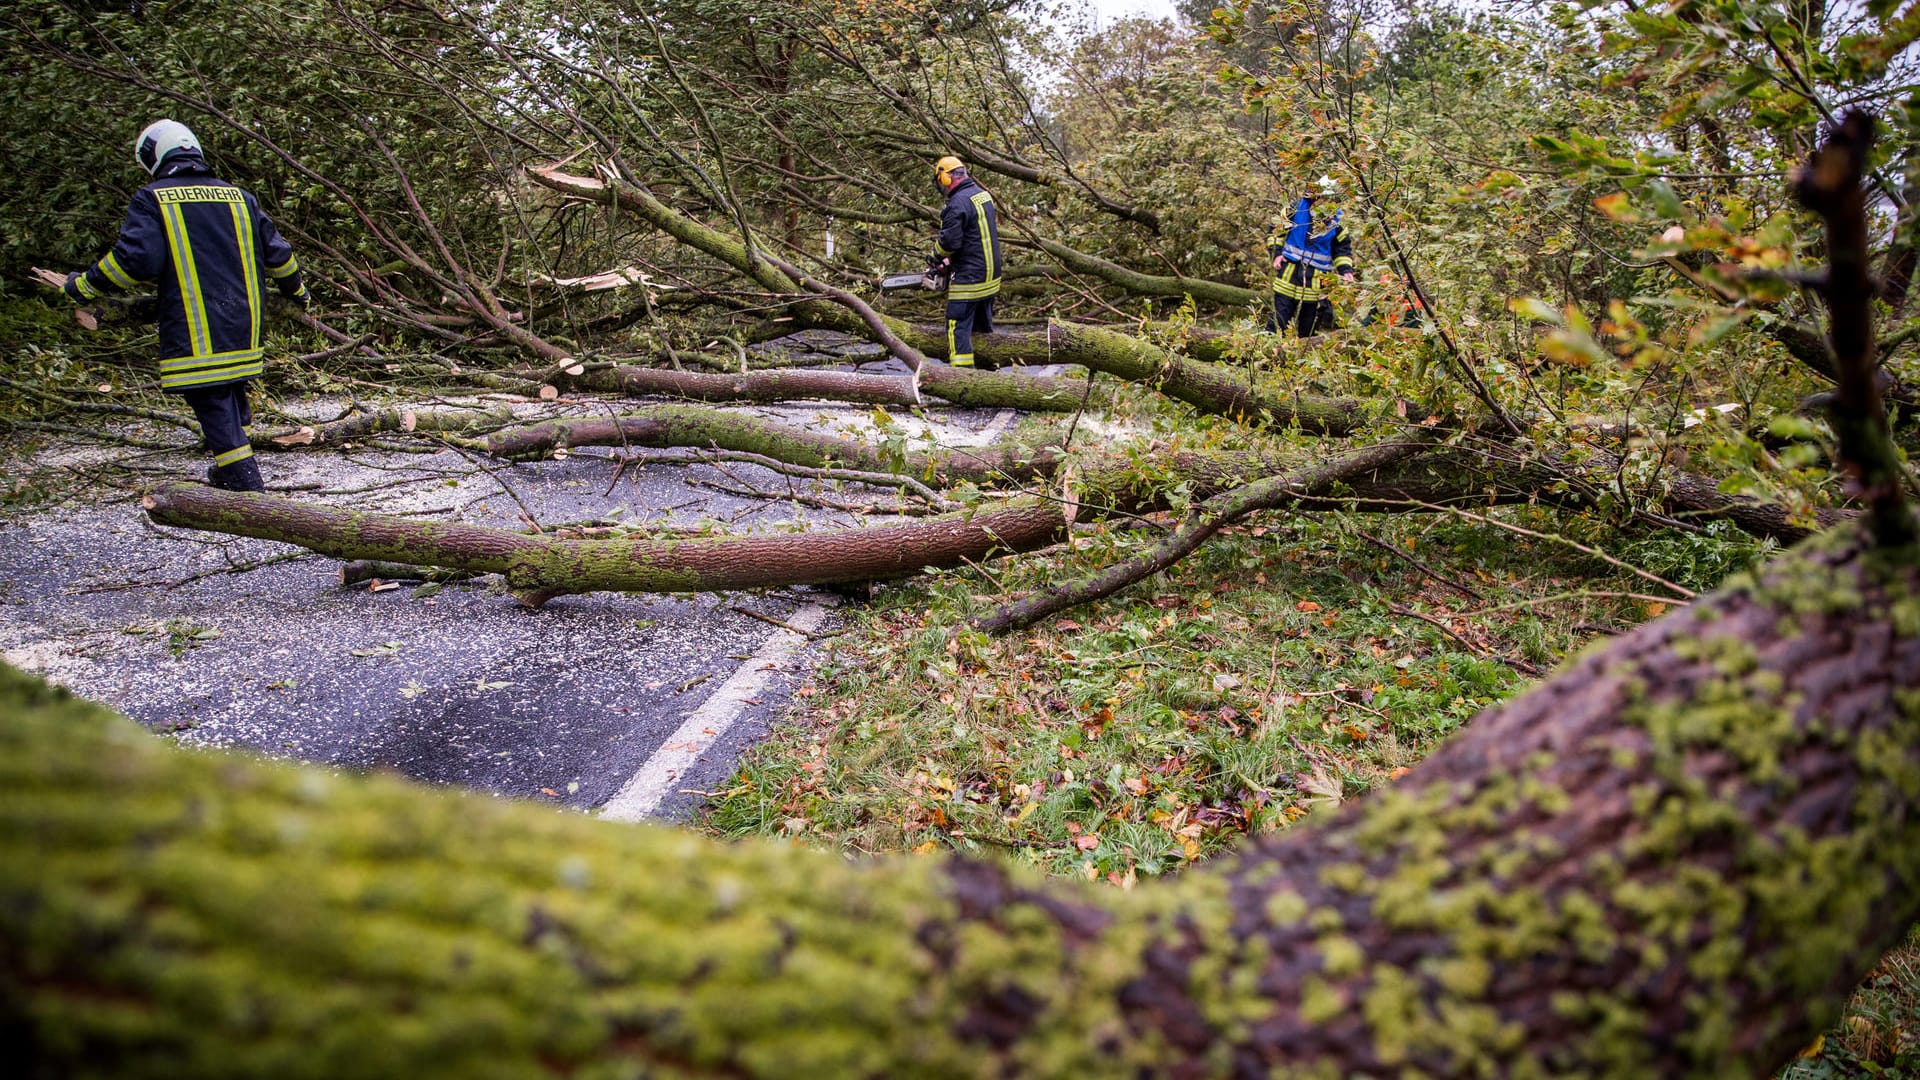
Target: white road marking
(648,787)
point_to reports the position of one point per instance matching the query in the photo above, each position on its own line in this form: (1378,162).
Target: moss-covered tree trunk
(1672,859)
(540,567)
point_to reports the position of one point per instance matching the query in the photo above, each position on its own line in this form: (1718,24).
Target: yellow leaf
(1616,206)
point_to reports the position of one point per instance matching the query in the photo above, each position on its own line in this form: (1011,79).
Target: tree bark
(1673,859)
(666,426)
(539,568)
(974,389)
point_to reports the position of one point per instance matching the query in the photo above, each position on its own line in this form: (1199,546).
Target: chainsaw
(934,277)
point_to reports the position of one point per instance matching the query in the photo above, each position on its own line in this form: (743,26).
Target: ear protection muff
(946,169)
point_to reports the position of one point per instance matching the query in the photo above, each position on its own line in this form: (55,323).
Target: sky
(1119,9)
(1111,11)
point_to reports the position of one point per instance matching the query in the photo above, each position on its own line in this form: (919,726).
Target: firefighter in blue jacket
(968,255)
(209,249)
(1301,258)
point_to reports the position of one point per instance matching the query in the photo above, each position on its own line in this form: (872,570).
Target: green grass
(1880,1033)
(1266,675)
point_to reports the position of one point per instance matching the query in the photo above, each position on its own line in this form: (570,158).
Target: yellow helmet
(946,169)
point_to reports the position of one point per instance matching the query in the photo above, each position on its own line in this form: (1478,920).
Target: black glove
(69,288)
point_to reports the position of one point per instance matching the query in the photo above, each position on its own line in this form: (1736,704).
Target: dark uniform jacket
(207,246)
(1308,256)
(970,239)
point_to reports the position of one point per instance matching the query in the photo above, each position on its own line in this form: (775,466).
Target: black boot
(242,475)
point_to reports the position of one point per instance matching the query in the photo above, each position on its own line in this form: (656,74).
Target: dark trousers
(1310,316)
(224,414)
(964,319)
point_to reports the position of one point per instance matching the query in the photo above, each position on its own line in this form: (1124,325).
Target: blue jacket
(1307,256)
(970,238)
(207,246)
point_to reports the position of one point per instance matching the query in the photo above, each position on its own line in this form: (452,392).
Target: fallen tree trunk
(539,568)
(975,389)
(371,422)
(1480,474)
(1672,859)
(667,426)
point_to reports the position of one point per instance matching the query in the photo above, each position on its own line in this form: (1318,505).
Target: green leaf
(1665,202)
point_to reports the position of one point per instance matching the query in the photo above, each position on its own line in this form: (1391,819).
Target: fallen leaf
(1087,842)
(1306,605)
(549,791)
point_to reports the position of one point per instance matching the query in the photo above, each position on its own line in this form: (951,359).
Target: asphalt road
(575,703)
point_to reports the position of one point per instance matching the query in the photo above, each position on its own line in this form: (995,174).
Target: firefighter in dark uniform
(210,250)
(1301,259)
(968,255)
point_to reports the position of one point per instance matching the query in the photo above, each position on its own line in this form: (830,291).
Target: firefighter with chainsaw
(209,250)
(1301,261)
(967,255)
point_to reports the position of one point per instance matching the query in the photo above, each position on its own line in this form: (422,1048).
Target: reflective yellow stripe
(954,357)
(287,269)
(249,370)
(178,363)
(243,237)
(238,453)
(972,290)
(189,278)
(1286,284)
(110,267)
(85,288)
(980,204)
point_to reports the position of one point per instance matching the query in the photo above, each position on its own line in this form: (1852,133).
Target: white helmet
(163,137)
(1328,186)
